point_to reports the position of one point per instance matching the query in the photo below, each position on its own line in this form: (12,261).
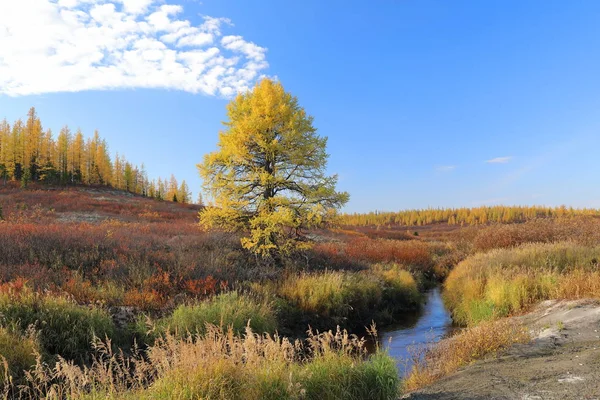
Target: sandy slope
(563,362)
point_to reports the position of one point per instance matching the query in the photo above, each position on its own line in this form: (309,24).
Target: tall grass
(505,281)
(400,288)
(227,310)
(443,358)
(351,298)
(65,328)
(17,354)
(222,365)
(332,294)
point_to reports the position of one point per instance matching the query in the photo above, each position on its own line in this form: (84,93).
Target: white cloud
(499,160)
(76,45)
(136,6)
(445,168)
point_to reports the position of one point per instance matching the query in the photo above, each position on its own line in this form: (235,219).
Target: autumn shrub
(227,310)
(65,328)
(83,291)
(17,354)
(505,281)
(163,259)
(445,357)
(393,234)
(410,253)
(358,252)
(220,364)
(144,299)
(333,256)
(584,230)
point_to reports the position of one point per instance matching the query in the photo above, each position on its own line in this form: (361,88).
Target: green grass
(65,328)
(351,299)
(502,282)
(17,353)
(231,309)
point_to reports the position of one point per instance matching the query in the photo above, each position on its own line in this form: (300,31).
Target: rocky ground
(562,362)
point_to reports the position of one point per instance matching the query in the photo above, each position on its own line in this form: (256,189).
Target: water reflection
(432,324)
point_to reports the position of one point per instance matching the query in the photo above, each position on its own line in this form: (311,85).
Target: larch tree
(31,146)
(268,175)
(30,154)
(5,149)
(183,193)
(172,189)
(62,154)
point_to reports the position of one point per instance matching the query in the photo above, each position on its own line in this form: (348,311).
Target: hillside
(41,203)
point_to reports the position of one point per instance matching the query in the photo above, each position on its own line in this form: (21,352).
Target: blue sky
(425,103)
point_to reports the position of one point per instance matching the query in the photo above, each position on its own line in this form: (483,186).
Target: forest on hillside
(28,153)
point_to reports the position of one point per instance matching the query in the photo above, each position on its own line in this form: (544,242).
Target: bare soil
(562,362)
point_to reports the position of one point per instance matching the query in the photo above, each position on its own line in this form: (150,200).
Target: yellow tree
(47,148)
(172,189)
(15,161)
(62,153)
(76,156)
(5,149)
(268,175)
(31,144)
(183,193)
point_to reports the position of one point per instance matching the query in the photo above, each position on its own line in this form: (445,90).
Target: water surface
(430,325)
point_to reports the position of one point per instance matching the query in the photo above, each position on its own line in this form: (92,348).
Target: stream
(431,324)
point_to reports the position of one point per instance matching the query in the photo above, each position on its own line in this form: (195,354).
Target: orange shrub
(147,300)
(585,230)
(413,253)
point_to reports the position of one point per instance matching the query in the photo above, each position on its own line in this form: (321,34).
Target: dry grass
(471,344)
(221,365)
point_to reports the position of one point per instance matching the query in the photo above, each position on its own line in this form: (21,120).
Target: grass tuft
(471,344)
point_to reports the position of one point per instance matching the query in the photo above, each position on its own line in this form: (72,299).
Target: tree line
(462,216)
(28,153)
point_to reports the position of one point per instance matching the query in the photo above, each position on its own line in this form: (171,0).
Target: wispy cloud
(499,160)
(445,168)
(74,45)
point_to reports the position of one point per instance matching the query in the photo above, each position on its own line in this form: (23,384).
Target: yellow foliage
(268,174)
(463,216)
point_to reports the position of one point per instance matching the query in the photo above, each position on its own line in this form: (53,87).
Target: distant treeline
(462,216)
(28,153)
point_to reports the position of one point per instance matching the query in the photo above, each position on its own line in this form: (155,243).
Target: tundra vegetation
(109,292)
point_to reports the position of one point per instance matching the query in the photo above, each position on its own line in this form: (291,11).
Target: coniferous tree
(5,139)
(30,154)
(268,174)
(183,194)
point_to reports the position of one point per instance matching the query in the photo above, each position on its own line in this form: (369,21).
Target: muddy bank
(562,362)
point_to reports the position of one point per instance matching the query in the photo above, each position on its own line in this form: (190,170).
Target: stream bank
(561,362)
